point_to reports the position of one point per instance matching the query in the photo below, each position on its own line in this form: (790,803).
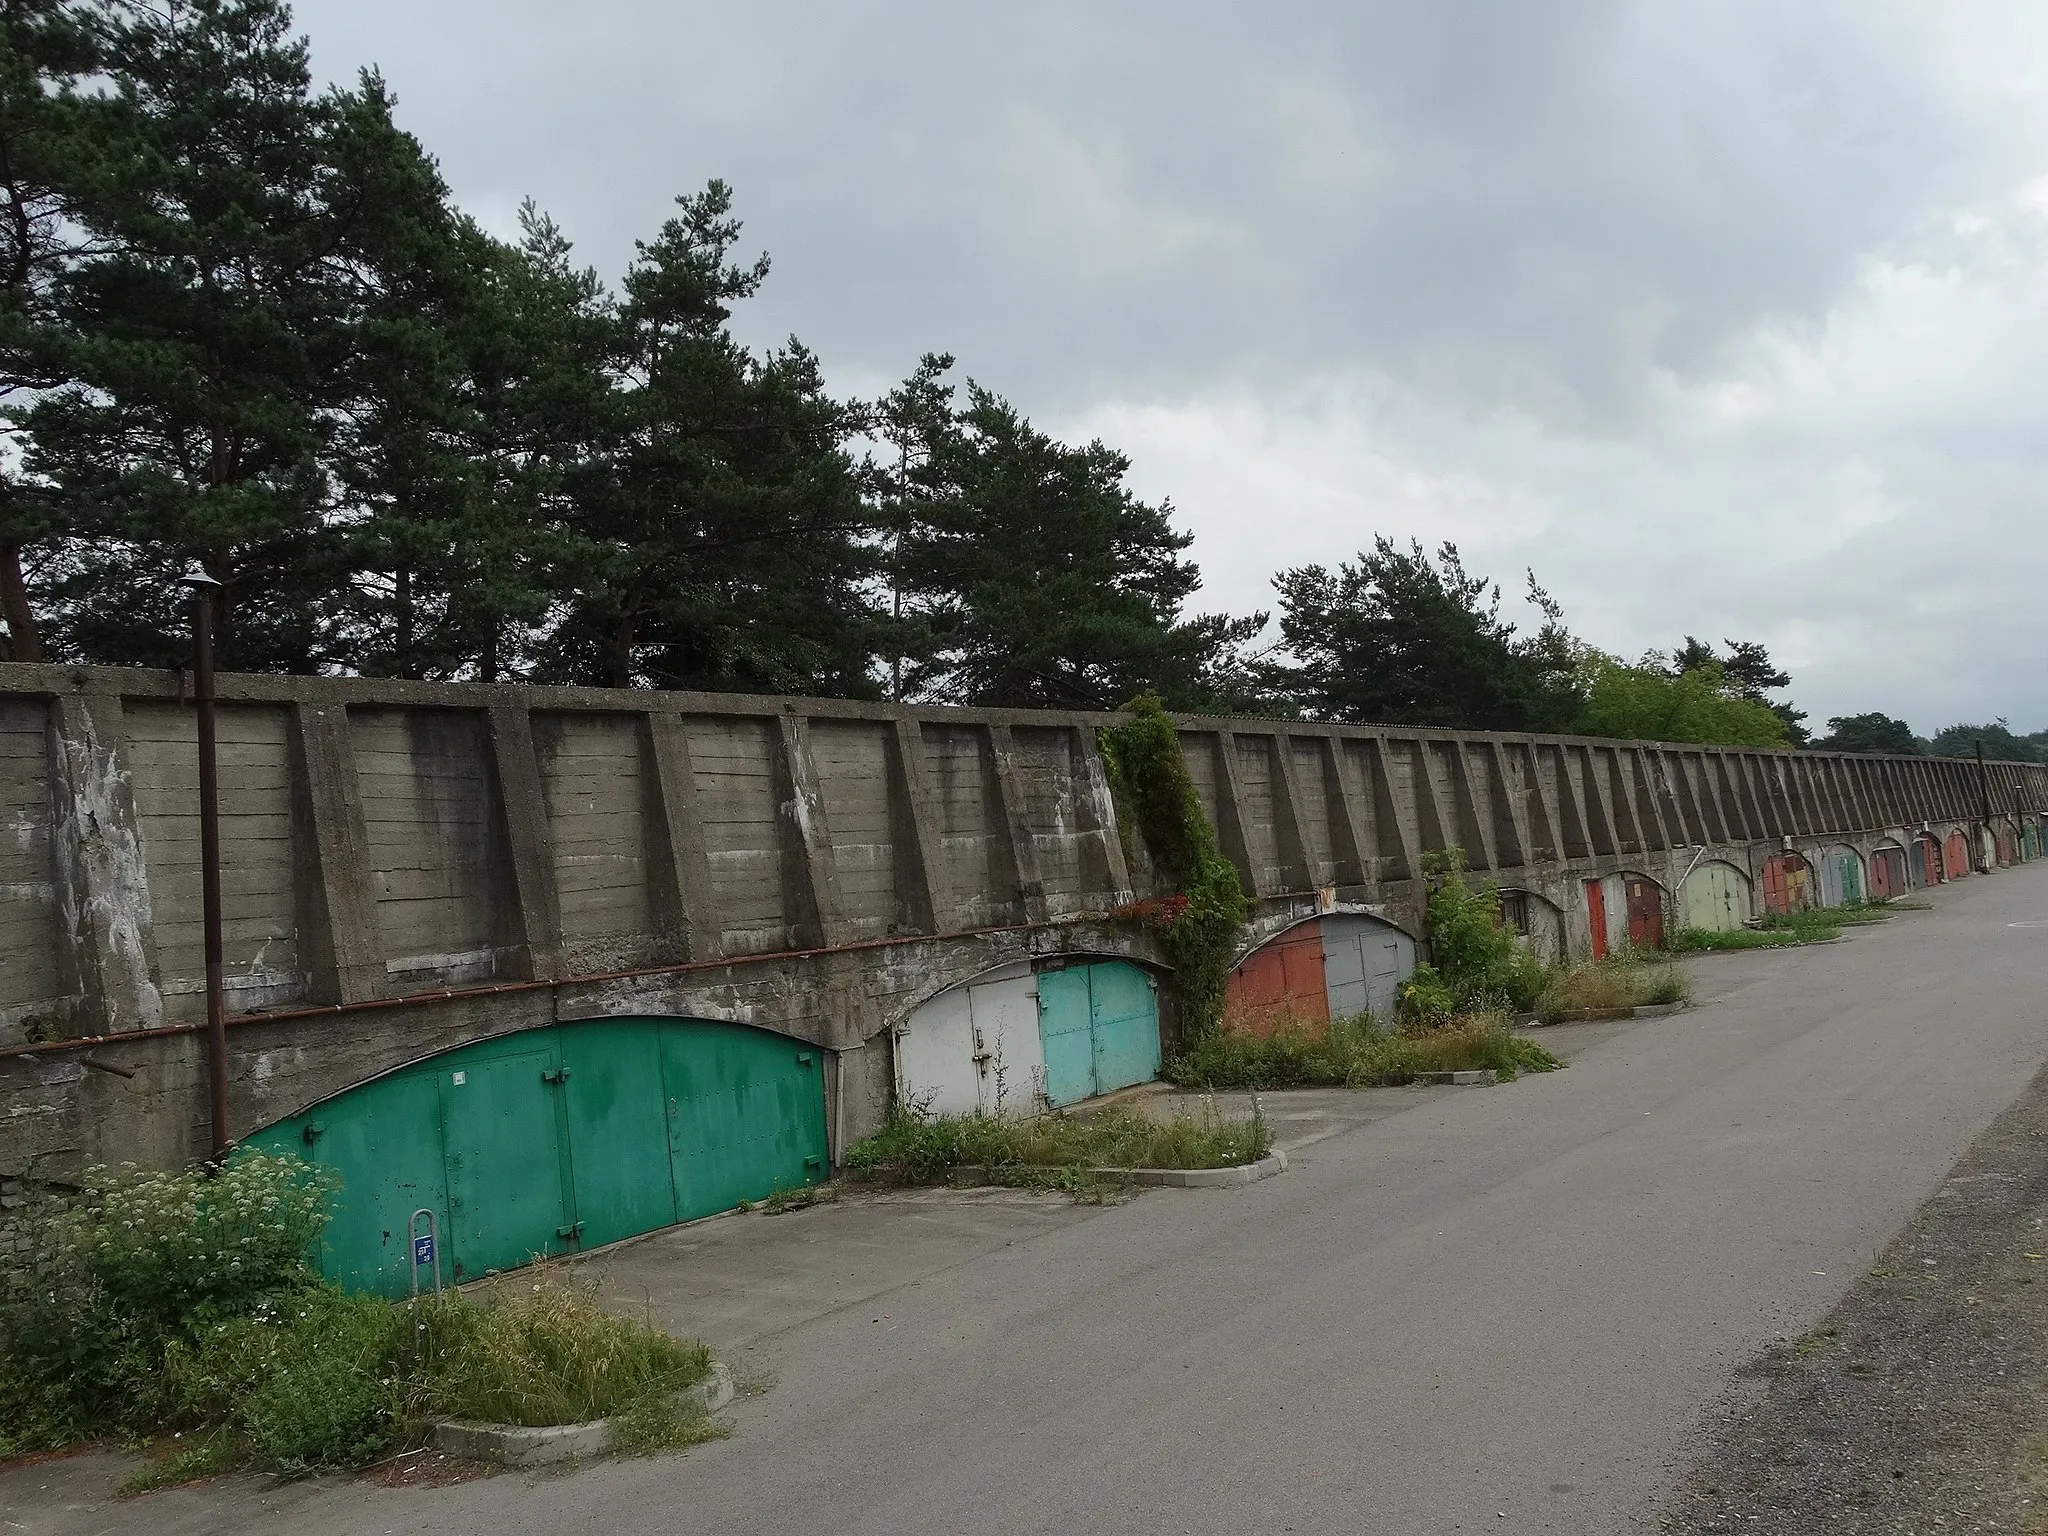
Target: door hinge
(571,1233)
(814,1162)
(312,1132)
(556,1075)
(803,1058)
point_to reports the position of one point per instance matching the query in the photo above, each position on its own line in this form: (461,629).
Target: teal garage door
(559,1139)
(1099,1026)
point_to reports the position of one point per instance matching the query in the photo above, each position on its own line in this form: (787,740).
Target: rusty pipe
(204,590)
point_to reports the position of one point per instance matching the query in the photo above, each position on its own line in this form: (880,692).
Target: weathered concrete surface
(1518,1300)
(815,867)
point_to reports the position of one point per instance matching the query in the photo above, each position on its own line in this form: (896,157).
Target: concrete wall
(409,867)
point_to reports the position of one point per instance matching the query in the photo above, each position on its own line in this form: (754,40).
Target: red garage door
(1280,981)
(1645,913)
(1958,856)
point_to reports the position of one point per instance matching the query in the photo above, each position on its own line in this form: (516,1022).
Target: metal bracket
(571,1233)
(555,1075)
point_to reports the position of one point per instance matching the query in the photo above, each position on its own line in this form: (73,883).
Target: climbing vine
(1199,922)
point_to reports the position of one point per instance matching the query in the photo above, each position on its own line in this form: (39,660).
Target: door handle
(571,1233)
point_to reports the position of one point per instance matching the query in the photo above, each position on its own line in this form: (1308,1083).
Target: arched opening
(1840,872)
(1536,921)
(1925,867)
(555,1140)
(1715,897)
(1030,1037)
(1788,884)
(1887,871)
(1624,909)
(1329,967)
(1955,855)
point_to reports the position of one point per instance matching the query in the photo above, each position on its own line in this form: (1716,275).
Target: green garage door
(559,1139)
(1099,1026)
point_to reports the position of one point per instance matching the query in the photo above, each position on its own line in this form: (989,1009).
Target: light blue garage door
(1100,1028)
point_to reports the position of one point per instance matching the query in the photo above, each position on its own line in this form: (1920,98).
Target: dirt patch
(1921,1401)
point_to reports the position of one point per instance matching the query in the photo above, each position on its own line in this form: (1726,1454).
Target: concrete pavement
(1502,1309)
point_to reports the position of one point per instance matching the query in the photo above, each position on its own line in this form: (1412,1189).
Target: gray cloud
(1720,315)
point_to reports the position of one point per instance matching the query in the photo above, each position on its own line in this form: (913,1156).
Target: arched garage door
(1715,897)
(1788,884)
(1330,967)
(556,1140)
(1956,855)
(1887,871)
(1841,876)
(1014,1042)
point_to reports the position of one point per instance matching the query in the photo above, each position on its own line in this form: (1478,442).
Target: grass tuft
(1356,1053)
(1626,980)
(542,1352)
(917,1147)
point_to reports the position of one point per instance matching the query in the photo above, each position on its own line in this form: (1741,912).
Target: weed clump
(915,1146)
(1357,1053)
(183,1305)
(1619,982)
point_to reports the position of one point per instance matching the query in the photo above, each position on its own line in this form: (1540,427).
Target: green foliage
(1199,924)
(149,1303)
(915,1146)
(541,1352)
(2000,743)
(307,1381)
(1476,962)
(1689,940)
(1747,673)
(111,1280)
(1648,703)
(1871,733)
(1032,575)
(1395,637)
(1356,1053)
(1623,980)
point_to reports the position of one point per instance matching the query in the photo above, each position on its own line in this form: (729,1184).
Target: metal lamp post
(205,591)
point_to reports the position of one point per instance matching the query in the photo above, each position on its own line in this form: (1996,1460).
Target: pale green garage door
(559,1139)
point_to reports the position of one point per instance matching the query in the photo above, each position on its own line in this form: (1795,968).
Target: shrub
(309,1381)
(115,1274)
(149,1301)
(1479,961)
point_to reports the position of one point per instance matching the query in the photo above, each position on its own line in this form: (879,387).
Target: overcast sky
(1728,318)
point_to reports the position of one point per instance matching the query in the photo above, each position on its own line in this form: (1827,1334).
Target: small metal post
(204,587)
(412,1248)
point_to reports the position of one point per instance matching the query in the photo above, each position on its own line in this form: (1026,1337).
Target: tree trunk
(622,651)
(402,600)
(24,642)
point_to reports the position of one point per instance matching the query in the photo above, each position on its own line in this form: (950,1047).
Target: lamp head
(198,578)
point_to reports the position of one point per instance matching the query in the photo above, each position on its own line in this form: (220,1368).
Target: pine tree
(210,344)
(1039,580)
(729,542)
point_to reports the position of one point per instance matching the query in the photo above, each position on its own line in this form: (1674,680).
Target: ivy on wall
(1199,922)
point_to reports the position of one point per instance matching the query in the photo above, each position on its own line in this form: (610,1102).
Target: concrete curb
(1200,1178)
(1162,1178)
(516,1445)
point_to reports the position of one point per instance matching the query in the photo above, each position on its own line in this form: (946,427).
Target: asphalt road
(1502,1309)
